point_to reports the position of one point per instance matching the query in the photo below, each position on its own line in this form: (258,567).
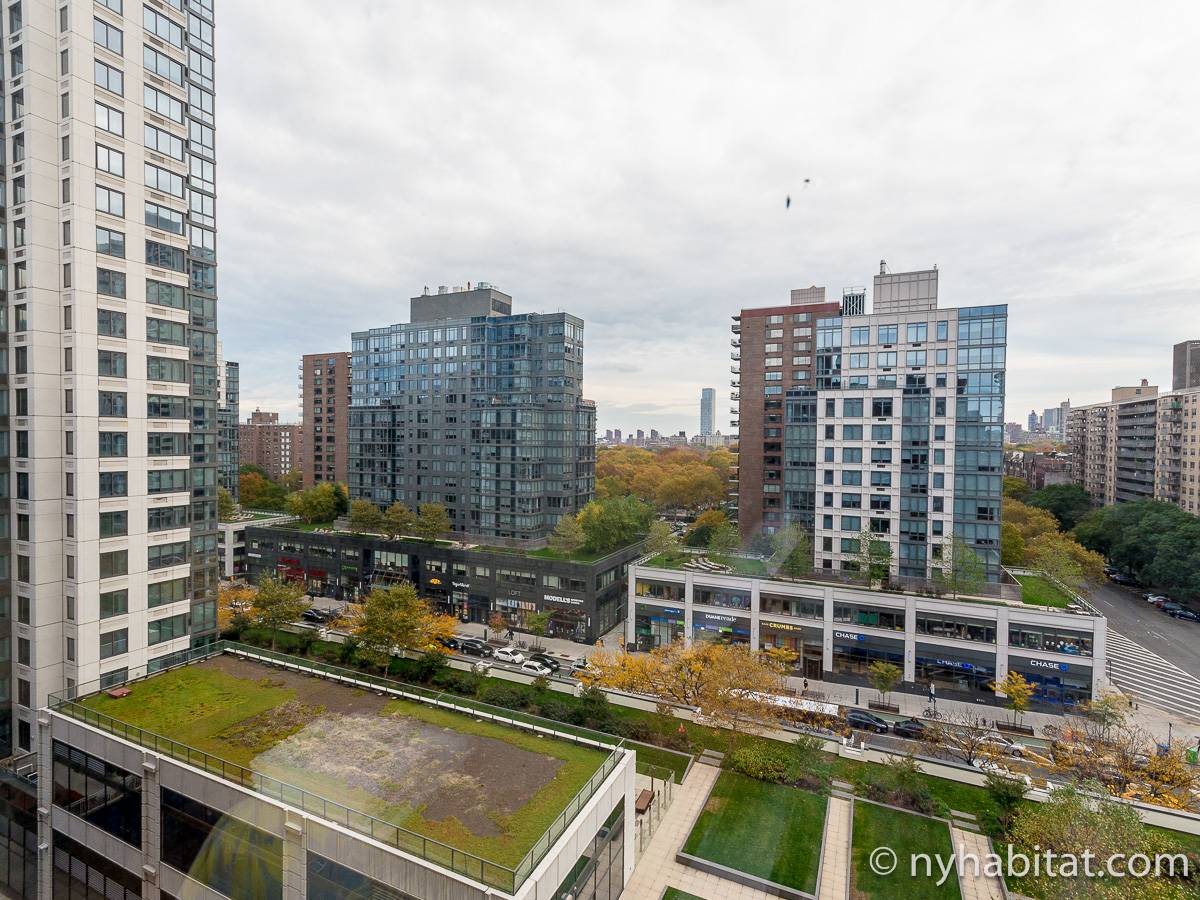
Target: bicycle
(931,713)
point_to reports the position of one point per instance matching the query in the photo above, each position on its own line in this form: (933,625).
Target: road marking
(1145,675)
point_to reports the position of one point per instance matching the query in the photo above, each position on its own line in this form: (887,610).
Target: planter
(1015,729)
(883,707)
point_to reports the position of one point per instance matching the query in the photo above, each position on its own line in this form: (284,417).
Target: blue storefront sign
(1046,664)
(849,636)
(955,664)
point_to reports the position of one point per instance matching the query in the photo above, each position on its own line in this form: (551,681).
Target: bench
(644,799)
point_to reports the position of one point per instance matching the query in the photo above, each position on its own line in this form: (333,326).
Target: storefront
(1055,683)
(721,628)
(656,626)
(967,674)
(568,620)
(853,653)
(1056,639)
(806,643)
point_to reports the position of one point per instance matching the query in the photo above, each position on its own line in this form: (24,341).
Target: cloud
(628,162)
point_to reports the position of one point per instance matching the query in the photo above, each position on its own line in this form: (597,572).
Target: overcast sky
(628,162)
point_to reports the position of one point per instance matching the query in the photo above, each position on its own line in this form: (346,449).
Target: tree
(1006,794)
(365,516)
(497,623)
(661,539)
(884,676)
(1015,488)
(1065,560)
(874,557)
(568,536)
(395,618)
(398,520)
(793,551)
(537,625)
(1068,503)
(962,571)
(235,602)
(1028,520)
(277,603)
(724,541)
(1012,545)
(1018,691)
(259,492)
(432,521)
(226,508)
(317,504)
(616,522)
(961,734)
(341,497)
(1155,542)
(703,526)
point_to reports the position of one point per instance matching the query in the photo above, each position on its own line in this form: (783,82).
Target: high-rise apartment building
(476,408)
(708,408)
(111,277)
(889,423)
(269,444)
(324,453)
(228,421)
(1185,365)
(1139,445)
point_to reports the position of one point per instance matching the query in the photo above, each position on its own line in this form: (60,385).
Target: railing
(662,787)
(461,862)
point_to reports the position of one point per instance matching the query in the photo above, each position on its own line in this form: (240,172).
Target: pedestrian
(932,694)
(806,685)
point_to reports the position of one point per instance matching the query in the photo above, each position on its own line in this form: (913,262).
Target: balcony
(734,395)
(734,382)
(735,342)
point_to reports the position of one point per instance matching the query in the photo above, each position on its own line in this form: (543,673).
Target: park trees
(278,602)
(398,520)
(226,507)
(365,516)
(318,503)
(235,604)
(1017,691)
(567,536)
(961,571)
(1068,503)
(661,539)
(612,523)
(793,551)
(432,521)
(394,618)
(874,557)
(702,527)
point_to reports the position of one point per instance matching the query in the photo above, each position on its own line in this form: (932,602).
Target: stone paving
(835,855)
(657,870)
(975,885)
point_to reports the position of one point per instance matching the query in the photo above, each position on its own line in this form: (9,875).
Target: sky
(628,162)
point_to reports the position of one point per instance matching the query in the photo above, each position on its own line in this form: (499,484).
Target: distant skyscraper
(324,452)
(1185,373)
(268,444)
(1033,420)
(228,432)
(708,408)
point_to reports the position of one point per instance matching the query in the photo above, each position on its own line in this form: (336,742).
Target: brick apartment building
(324,449)
(269,444)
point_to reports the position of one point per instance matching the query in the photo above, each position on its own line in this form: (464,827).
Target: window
(886,360)
(108,37)
(109,798)
(881,454)
(888,334)
(114,603)
(110,201)
(114,524)
(114,643)
(162,103)
(918,332)
(164,257)
(163,555)
(158,24)
(851,432)
(914,358)
(163,294)
(159,179)
(162,369)
(114,563)
(162,331)
(164,218)
(943,331)
(881,479)
(114,5)
(109,78)
(114,484)
(111,364)
(860,335)
(114,444)
(110,161)
(109,242)
(113,403)
(881,406)
(167,445)
(165,592)
(851,455)
(66,147)
(860,360)
(852,478)
(110,322)
(166,629)
(169,481)
(851,501)
(162,65)
(166,518)
(160,406)
(881,432)
(163,142)
(110,283)
(110,120)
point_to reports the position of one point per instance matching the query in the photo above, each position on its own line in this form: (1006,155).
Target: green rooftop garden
(906,834)
(475,785)
(1039,591)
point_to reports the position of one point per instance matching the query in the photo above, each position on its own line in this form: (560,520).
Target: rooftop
(444,779)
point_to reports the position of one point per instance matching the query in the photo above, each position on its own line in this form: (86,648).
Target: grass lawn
(676,894)
(1038,591)
(769,830)
(906,834)
(741,565)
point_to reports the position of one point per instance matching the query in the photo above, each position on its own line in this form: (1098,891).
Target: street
(1175,640)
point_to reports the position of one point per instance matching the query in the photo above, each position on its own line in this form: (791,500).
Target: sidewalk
(554,646)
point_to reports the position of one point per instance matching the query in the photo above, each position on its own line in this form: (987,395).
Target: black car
(451,643)
(474,647)
(1187,614)
(318,616)
(910,728)
(865,721)
(1127,580)
(546,660)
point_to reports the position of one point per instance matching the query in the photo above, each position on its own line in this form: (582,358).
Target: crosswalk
(1149,678)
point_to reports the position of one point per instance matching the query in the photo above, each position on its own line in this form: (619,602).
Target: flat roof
(476,785)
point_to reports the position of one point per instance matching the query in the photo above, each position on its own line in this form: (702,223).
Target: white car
(1155,598)
(532,665)
(1004,745)
(510,655)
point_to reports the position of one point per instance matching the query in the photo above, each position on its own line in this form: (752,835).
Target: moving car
(510,655)
(474,647)
(546,660)
(1156,599)
(535,667)
(914,729)
(580,665)
(865,721)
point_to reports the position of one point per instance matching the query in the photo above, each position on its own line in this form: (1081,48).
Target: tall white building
(708,406)
(112,360)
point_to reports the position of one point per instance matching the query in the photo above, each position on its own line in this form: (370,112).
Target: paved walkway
(974,882)
(657,870)
(835,856)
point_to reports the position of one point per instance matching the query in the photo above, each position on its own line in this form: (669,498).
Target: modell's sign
(556,598)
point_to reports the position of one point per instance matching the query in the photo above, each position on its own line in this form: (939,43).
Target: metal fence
(662,789)
(504,878)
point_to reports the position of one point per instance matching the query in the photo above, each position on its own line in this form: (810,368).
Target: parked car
(535,667)
(1156,598)
(318,616)
(865,721)
(1170,608)
(1111,570)
(1186,614)
(1004,745)
(451,643)
(546,660)
(474,647)
(1127,580)
(580,665)
(510,655)
(914,729)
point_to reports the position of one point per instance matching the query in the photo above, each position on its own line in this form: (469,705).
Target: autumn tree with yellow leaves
(391,619)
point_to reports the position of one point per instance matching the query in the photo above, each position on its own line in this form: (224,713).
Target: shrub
(428,665)
(638,730)
(761,761)
(1006,794)
(898,782)
(456,682)
(500,693)
(595,711)
(559,711)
